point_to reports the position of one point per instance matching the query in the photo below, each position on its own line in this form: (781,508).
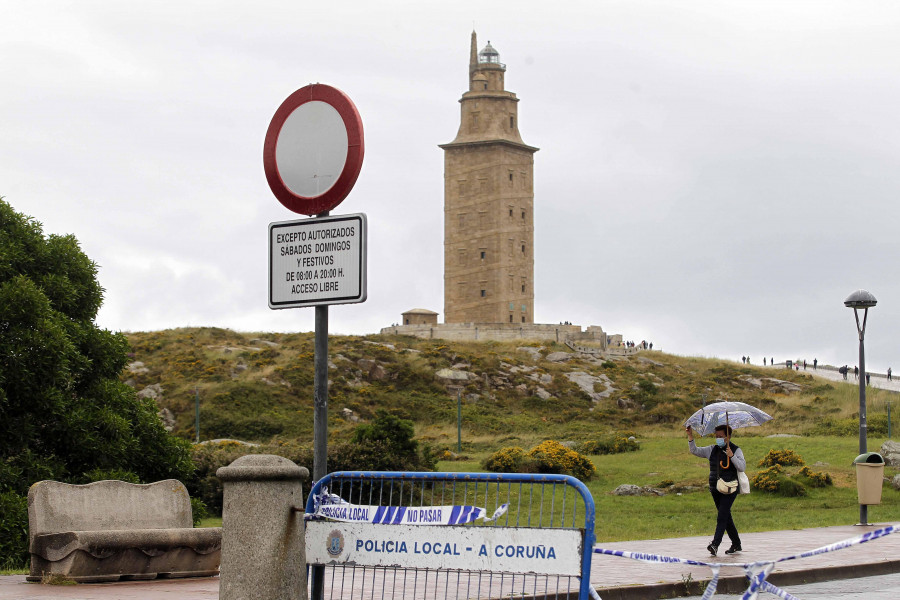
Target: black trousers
(724,522)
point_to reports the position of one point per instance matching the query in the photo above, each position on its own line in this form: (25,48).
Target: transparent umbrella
(734,414)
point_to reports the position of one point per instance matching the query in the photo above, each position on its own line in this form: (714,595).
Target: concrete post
(263,539)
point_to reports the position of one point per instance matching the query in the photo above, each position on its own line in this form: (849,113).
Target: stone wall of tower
(488,208)
(488,235)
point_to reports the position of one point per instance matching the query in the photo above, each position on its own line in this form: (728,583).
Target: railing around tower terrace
(418,535)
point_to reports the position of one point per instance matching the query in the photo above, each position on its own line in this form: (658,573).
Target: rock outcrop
(891,453)
(586,382)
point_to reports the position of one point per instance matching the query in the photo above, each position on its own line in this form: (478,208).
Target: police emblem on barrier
(335,545)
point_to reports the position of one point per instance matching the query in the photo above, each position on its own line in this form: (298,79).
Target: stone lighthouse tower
(488,204)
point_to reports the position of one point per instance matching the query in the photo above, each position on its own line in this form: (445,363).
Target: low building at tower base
(504,332)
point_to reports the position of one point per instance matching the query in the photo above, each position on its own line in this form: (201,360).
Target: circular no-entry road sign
(314,149)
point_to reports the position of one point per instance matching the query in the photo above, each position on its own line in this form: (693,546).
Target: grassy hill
(259,386)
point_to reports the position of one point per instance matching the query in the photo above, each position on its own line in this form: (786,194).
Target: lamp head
(860,299)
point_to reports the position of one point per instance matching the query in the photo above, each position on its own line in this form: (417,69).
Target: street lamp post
(861,300)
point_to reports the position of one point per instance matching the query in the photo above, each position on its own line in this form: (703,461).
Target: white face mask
(720,442)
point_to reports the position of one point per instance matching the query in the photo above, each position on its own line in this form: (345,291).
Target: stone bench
(111,530)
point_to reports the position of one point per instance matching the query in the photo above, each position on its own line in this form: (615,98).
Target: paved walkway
(614,578)
(876,380)
(623,578)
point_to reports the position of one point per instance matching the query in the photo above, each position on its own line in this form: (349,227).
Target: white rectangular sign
(497,549)
(319,261)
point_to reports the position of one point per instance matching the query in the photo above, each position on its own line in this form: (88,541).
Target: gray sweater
(737,460)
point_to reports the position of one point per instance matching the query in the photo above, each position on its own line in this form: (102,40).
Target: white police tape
(331,506)
(756,572)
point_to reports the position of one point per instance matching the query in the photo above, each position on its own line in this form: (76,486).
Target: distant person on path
(815,364)
(843,371)
(804,364)
(856,372)
(721,454)
(772,361)
(764,361)
(744,360)
(867,378)
(889,374)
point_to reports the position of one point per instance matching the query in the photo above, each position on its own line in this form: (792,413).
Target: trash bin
(869,477)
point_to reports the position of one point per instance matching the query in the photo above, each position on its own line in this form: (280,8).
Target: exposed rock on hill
(586,383)
(453,376)
(771,384)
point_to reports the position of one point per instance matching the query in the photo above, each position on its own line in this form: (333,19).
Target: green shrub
(394,432)
(790,487)
(506,460)
(107,474)
(783,457)
(767,480)
(386,444)
(198,511)
(814,478)
(614,444)
(209,457)
(547,457)
(553,457)
(875,425)
(774,481)
(13,530)
(377,455)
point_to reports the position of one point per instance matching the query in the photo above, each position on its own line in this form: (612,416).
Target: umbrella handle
(727,458)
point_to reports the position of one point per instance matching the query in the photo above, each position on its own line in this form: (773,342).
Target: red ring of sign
(355,150)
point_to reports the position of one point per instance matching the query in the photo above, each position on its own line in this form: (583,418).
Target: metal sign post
(312,156)
(320,395)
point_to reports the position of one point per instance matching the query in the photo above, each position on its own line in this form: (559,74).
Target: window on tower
(483,293)
(512,122)
(523,248)
(482,254)
(523,214)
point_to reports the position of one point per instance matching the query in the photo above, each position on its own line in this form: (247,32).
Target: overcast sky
(715,177)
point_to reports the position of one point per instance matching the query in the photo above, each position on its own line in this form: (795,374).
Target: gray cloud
(713,177)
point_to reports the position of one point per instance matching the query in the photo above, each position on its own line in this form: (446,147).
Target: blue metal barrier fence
(540,547)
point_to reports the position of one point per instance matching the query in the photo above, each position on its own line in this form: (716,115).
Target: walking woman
(725,460)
